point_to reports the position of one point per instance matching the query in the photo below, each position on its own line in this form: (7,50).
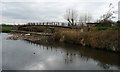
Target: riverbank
(98,39)
(28,37)
(19,52)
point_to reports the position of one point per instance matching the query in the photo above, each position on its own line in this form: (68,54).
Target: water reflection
(26,55)
(104,59)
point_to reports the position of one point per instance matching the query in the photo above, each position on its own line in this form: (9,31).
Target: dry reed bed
(103,39)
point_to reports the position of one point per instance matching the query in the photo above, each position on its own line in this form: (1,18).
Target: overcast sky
(23,11)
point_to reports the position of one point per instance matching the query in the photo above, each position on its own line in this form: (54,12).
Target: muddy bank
(28,37)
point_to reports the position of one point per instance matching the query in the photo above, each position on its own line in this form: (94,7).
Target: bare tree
(109,15)
(71,16)
(81,20)
(84,18)
(89,17)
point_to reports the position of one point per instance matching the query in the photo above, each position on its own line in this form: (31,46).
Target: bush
(56,36)
(72,37)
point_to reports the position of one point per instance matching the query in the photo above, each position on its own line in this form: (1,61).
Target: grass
(107,28)
(7,28)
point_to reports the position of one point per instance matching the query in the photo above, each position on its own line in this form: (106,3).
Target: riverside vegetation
(98,37)
(7,28)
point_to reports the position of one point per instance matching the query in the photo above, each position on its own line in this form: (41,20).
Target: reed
(103,39)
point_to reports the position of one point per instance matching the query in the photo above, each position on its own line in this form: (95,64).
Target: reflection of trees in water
(84,58)
(68,58)
(69,55)
(104,66)
(119,68)
(103,57)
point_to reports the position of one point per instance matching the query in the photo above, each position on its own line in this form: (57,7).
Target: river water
(24,55)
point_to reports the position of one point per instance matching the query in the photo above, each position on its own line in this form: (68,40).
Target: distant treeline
(103,23)
(7,25)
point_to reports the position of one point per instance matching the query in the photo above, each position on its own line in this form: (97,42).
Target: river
(24,55)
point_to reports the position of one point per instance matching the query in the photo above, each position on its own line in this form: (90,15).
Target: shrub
(56,36)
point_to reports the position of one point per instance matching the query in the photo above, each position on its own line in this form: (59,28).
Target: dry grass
(104,39)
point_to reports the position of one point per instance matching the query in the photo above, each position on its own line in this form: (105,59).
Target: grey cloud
(30,11)
(46,11)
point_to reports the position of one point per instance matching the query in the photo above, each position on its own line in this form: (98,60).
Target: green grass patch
(107,28)
(7,28)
